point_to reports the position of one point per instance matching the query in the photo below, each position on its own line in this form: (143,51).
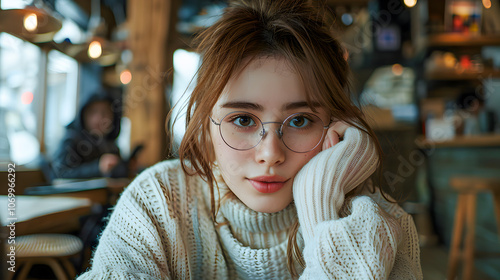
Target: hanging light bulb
(95,49)
(487,4)
(30,22)
(27,97)
(410,3)
(125,77)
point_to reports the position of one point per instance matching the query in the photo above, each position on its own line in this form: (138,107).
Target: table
(103,191)
(45,214)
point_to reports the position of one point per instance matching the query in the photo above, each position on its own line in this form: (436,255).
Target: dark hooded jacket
(79,152)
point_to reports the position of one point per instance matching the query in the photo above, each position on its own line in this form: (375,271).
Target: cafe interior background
(426,72)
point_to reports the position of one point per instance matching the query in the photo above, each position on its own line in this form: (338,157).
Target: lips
(268,184)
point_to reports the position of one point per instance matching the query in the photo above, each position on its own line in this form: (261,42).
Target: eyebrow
(243,105)
(258,107)
(298,105)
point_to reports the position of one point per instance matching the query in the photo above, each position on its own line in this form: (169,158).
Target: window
(19,99)
(24,99)
(61,100)
(14,4)
(185,67)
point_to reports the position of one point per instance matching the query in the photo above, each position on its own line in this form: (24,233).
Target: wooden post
(496,201)
(145,103)
(458,227)
(41,98)
(470,227)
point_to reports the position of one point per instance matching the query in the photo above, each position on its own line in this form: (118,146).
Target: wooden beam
(347,2)
(145,102)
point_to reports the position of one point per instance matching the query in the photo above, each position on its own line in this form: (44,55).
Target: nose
(271,150)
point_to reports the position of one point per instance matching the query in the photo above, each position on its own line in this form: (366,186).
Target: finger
(340,127)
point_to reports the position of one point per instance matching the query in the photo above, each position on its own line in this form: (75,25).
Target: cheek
(217,144)
(92,122)
(230,161)
(105,122)
(299,160)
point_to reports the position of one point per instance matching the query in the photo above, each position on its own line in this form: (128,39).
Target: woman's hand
(319,188)
(107,162)
(362,245)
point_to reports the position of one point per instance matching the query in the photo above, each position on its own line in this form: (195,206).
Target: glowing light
(30,22)
(487,4)
(27,97)
(397,69)
(410,3)
(125,77)
(95,49)
(449,60)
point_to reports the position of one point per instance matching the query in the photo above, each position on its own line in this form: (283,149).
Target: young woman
(272,172)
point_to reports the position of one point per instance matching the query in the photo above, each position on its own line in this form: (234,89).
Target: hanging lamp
(31,24)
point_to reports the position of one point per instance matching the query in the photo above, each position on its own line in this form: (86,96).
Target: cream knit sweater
(161,227)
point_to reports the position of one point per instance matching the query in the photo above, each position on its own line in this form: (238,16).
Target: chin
(268,204)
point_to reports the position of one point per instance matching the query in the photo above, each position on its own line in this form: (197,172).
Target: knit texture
(320,186)
(161,228)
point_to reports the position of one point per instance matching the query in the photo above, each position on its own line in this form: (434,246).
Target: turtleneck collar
(240,216)
(254,229)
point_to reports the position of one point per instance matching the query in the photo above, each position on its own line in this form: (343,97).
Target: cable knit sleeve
(364,245)
(131,246)
(360,246)
(320,186)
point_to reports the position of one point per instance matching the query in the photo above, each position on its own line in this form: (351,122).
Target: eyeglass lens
(301,132)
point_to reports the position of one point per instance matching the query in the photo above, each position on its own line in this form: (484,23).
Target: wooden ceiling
(347,2)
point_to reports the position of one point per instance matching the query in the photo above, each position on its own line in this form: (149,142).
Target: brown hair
(290,29)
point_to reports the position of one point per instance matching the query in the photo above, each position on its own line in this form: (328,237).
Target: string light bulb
(410,3)
(95,49)
(30,22)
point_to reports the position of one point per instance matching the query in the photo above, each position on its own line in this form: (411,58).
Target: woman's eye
(299,122)
(243,121)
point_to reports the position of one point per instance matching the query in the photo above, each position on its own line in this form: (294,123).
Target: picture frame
(463,16)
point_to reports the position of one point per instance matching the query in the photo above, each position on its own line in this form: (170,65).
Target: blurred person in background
(89,147)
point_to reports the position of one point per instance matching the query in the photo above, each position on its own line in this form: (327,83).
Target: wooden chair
(53,250)
(465,215)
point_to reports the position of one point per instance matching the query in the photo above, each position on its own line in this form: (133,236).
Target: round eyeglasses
(300,132)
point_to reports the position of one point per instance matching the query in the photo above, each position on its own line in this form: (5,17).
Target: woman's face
(270,90)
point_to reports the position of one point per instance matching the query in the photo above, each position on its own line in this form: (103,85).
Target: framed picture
(463,16)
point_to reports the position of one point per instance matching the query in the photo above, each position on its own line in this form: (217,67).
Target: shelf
(452,75)
(484,140)
(460,40)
